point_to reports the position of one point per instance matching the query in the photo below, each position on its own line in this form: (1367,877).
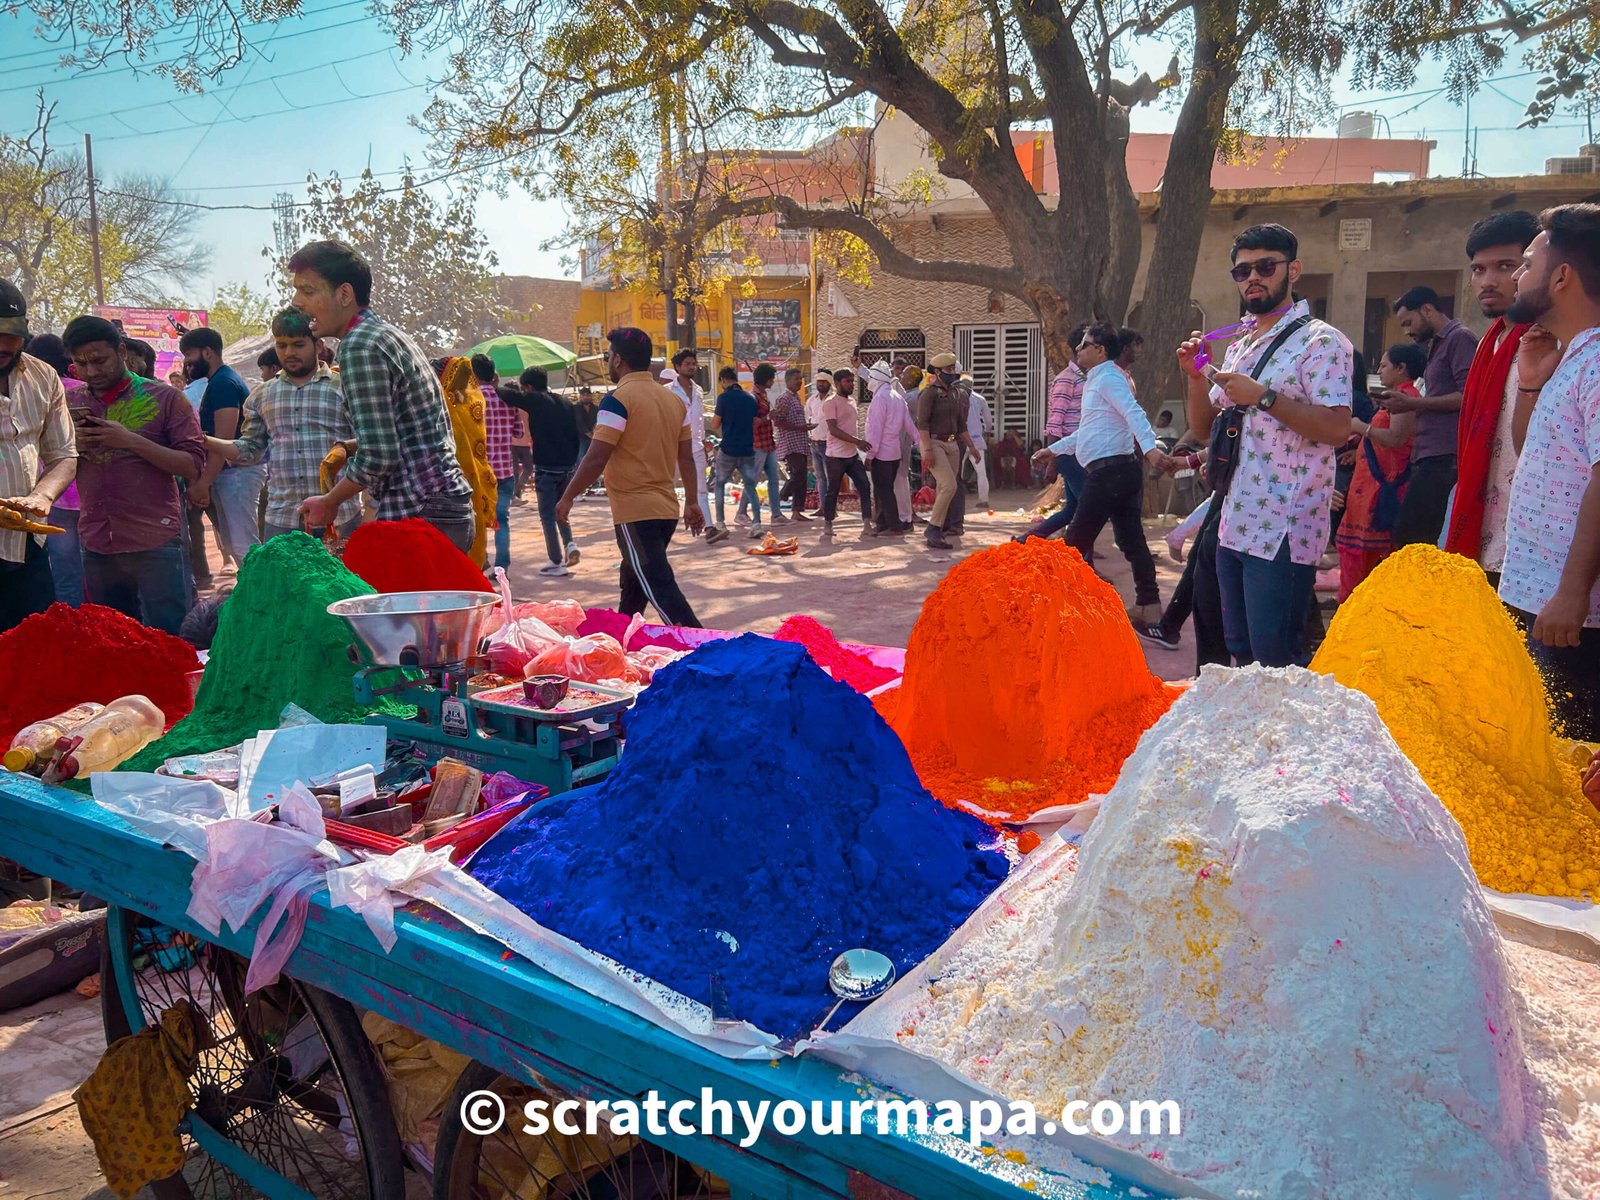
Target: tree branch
(894,260)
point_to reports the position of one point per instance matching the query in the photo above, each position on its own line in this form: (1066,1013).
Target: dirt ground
(867,592)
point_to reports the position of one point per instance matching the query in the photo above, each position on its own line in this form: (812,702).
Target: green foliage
(432,268)
(147,243)
(238,311)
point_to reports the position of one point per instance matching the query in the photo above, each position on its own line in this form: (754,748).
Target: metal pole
(94,223)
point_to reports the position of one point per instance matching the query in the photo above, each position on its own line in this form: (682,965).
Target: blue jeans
(1264,606)
(66,556)
(819,464)
(768,463)
(1073,479)
(151,586)
(548,484)
(237,495)
(504,490)
(748,469)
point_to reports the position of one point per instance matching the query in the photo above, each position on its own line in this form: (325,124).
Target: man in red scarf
(1485,451)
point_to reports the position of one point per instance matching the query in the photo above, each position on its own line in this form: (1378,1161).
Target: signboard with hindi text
(161,327)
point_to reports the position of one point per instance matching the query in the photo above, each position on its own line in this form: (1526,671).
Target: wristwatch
(1268,399)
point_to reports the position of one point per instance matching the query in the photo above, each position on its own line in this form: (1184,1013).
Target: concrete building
(541,307)
(1363,242)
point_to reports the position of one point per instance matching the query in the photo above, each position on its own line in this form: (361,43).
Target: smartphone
(1209,371)
(79,413)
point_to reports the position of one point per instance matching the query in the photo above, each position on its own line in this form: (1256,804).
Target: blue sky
(328,92)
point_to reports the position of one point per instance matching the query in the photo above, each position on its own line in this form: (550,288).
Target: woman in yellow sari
(465,404)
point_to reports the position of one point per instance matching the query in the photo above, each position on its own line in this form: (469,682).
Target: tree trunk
(1185,202)
(1123,235)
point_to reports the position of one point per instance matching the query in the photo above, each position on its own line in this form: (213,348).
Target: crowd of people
(1488,447)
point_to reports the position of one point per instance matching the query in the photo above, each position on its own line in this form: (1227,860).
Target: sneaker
(755,531)
(573,554)
(554,569)
(518,502)
(715,534)
(741,519)
(936,540)
(1157,636)
(779,519)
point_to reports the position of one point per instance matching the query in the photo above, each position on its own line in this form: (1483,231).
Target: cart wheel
(289,1098)
(510,1165)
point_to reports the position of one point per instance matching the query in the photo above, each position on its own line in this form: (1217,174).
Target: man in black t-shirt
(553,424)
(236,491)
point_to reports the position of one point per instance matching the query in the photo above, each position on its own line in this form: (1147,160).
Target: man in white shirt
(685,365)
(1551,580)
(821,389)
(980,427)
(889,424)
(1113,441)
(38,459)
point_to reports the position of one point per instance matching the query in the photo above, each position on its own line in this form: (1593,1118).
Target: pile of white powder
(1273,922)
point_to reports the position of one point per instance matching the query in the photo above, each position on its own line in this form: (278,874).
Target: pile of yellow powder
(1427,639)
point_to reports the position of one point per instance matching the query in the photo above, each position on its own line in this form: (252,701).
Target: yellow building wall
(599,311)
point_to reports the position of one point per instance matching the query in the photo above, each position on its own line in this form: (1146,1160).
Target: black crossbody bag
(1222,457)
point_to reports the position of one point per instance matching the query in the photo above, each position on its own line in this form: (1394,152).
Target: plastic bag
(372,888)
(178,811)
(518,640)
(563,616)
(247,861)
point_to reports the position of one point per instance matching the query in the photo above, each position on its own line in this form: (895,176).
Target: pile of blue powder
(763,819)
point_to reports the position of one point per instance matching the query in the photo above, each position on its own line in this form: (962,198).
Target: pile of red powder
(1025,686)
(411,556)
(847,666)
(64,656)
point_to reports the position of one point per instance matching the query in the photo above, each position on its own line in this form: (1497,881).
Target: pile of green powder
(276,644)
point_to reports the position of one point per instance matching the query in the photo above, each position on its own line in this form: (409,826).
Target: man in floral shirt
(1274,516)
(1552,571)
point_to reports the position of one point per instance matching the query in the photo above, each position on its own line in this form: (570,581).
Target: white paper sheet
(279,758)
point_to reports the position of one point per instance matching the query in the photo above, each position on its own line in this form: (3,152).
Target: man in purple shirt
(1431,418)
(134,436)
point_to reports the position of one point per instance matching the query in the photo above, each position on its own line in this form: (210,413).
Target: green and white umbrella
(514,353)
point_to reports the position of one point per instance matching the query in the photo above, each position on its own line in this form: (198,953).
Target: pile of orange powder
(1025,686)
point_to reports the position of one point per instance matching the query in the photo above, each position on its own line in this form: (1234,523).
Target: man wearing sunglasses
(1289,379)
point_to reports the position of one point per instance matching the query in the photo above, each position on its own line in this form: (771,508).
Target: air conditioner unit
(1570,166)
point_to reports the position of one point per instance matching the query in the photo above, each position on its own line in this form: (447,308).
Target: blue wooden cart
(293,1058)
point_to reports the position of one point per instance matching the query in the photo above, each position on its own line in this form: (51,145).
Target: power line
(110,49)
(420,183)
(258,116)
(99,73)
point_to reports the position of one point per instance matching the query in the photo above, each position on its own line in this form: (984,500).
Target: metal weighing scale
(423,649)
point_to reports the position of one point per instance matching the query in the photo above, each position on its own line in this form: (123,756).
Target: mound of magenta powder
(763,819)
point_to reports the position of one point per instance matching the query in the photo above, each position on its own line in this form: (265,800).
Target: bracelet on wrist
(1540,388)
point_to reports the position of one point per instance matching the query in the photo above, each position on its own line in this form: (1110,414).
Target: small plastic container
(35,744)
(108,739)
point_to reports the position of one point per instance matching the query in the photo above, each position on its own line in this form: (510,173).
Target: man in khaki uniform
(942,411)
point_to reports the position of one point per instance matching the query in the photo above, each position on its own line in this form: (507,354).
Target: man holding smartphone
(135,437)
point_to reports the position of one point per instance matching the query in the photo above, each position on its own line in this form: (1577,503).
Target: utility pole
(94,224)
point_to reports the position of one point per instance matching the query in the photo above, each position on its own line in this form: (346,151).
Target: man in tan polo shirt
(642,441)
(942,430)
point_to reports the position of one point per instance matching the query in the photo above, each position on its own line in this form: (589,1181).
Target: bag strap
(1372,462)
(1272,348)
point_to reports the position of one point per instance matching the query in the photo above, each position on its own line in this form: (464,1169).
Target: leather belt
(1116,460)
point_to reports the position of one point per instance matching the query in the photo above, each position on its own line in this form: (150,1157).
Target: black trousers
(1426,501)
(838,468)
(1571,679)
(794,488)
(1115,493)
(886,511)
(1197,594)
(647,576)
(26,587)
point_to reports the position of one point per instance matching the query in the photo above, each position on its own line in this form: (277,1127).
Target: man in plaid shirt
(301,416)
(500,426)
(405,452)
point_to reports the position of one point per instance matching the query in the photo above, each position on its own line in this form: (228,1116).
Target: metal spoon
(858,975)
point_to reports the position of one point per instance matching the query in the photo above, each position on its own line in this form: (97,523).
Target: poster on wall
(161,327)
(766,331)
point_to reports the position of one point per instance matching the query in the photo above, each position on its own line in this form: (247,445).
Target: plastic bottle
(125,727)
(36,743)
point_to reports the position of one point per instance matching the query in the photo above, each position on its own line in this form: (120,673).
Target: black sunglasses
(1264,267)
